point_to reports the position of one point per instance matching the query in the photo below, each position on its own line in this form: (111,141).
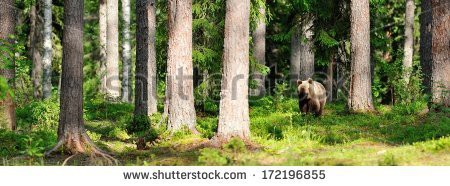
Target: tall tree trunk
(7,28)
(180,86)
(47,53)
(435,51)
(103,42)
(145,84)
(259,52)
(302,54)
(126,52)
(360,95)
(71,132)
(35,37)
(234,112)
(409,40)
(295,56)
(112,50)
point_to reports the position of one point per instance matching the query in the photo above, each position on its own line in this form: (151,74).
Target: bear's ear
(299,82)
(310,81)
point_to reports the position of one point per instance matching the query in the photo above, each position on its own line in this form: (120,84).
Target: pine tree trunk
(112,50)
(302,54)
(306,50)
(295,56)
(35,37)
(435,50)
(259,52)
(126,52)
(145,84)
(103,42)
(8,23)
(47,53)
(409,39)
(180,86)
(360,95)
(234,112)
(71,131)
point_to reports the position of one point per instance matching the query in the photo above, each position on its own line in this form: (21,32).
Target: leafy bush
(39,115)
(140,123)
(207,126)
(211,157)
(235,145)
(31,144)
(100,109)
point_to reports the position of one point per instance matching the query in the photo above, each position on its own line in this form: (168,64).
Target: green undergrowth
(395,135)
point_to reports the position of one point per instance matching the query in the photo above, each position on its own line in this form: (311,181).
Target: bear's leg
(315,107)
(304,108)
(322,105)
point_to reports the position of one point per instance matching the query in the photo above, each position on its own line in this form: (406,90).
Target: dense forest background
(385,67)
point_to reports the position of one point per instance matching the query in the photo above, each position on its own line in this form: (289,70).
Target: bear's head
(305,89)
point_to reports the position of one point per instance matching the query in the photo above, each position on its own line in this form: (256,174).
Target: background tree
(35,52)
(259,52)
(126,52)
(409,39)
(435,51)
(71,132)
(112,50)
(103,26)
(179,85)
(145,87)
(360,95)
(233,112)
(47,52)
(7,68)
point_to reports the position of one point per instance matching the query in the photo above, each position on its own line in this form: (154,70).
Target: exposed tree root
(67,159)
(77,144)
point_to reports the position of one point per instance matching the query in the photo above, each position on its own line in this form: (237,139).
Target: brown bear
(312,96)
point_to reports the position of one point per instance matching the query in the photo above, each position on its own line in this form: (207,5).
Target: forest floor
(282,136)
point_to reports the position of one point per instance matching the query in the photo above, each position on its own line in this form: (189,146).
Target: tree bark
(126,52)
(112,50)
(302,54)
(234,112)
(71,131)
(435,50)
(180,86)
(47,53)
(35,41)
(103,42)
(360,93)
(259,52)
(409,40)
(145,84)
(7,28)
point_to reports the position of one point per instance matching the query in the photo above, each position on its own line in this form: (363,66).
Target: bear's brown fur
(312,96)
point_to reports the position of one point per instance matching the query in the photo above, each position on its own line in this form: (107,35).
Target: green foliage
(120,134)
(211,157)
(33,147)
(32,144)
(235,145)
(39,115)
(207,126)
(139,124)
(388,160)
(95,137)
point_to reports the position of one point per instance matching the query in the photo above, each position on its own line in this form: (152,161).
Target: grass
(283,137)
